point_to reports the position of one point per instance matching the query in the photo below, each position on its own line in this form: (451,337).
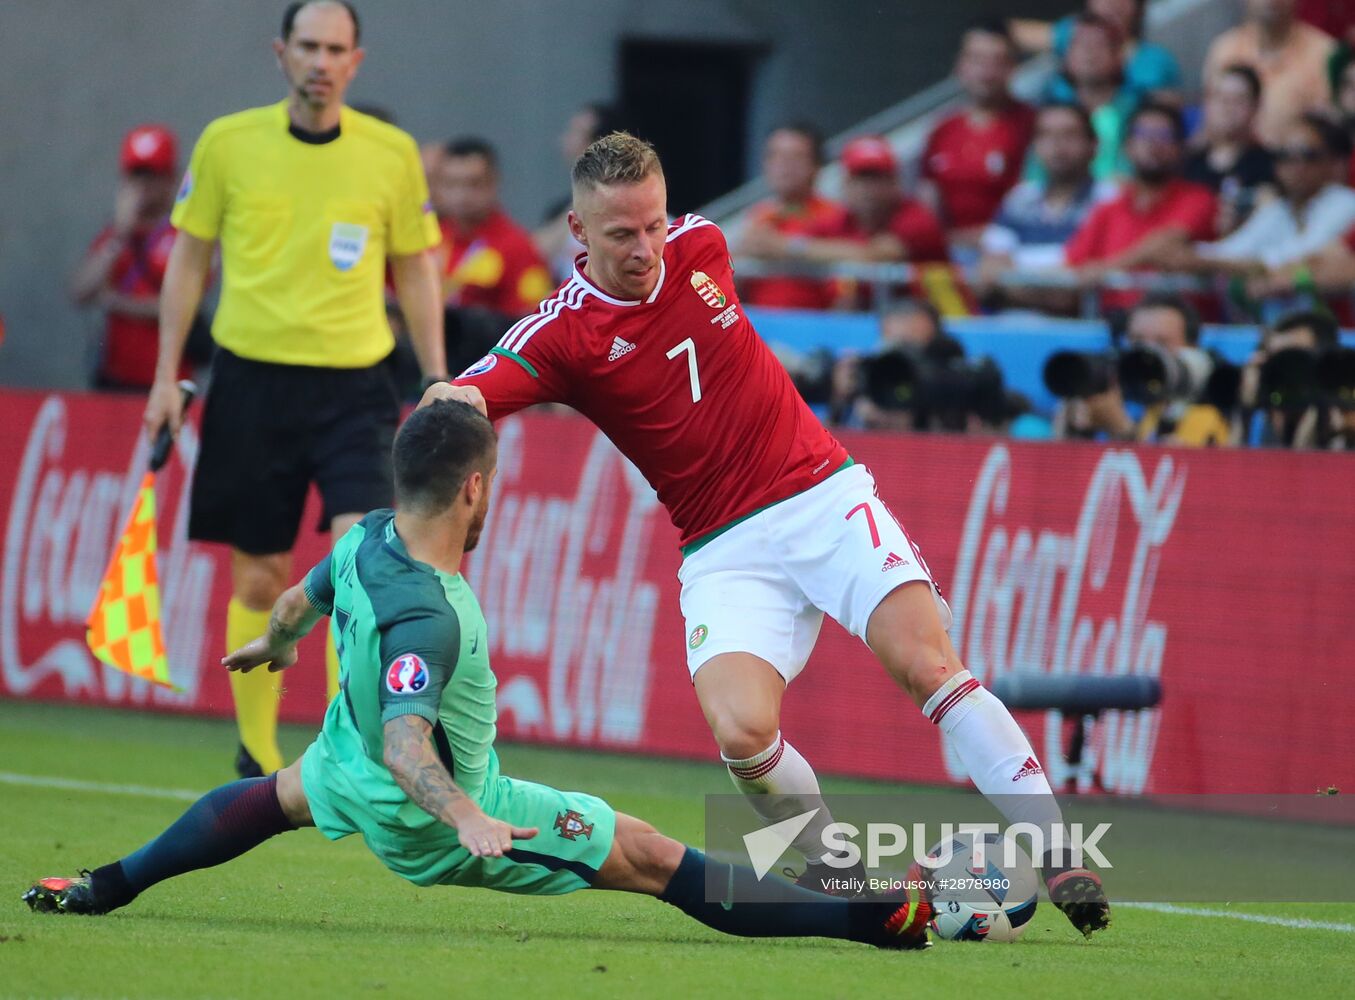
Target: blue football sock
(782,909)
(223,824)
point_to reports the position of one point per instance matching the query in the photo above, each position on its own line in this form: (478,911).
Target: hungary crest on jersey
(709,291)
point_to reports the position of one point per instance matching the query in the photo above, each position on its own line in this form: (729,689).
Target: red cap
(150,147)
(870,154)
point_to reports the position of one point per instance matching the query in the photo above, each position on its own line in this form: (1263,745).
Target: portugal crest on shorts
(710,292)
(570,825)
(407,674)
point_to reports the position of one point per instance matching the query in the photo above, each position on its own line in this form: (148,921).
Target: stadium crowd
(1120,196)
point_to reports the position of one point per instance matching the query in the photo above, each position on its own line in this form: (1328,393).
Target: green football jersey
(411,641)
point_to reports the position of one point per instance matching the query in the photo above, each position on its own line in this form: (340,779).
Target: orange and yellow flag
(124,625)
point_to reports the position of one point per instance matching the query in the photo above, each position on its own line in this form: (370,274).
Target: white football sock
(995,752)
(780,784)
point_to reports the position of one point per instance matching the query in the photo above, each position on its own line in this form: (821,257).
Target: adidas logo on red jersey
(620,348)
(893,562)
(1029,768)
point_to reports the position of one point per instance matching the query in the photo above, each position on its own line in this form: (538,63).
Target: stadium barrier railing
(887,282)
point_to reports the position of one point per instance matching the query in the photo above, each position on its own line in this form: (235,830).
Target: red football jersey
(680,382)
(497,266)
(973,166)
(131,343)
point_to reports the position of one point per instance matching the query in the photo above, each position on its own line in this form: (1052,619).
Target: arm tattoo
(292,617)
(414,764)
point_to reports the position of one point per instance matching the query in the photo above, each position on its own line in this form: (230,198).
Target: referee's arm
(190,260)
(420,294)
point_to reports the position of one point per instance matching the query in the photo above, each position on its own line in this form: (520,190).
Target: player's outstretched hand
(487,837)
(257,653)
(465,393)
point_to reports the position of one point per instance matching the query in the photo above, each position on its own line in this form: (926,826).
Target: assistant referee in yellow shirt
(308,199)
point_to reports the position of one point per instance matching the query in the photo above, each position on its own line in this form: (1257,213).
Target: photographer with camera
(1298,389)
(920,379)
(1185,392)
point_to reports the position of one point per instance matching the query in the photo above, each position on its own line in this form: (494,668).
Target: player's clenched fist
(464,393)
(164,406)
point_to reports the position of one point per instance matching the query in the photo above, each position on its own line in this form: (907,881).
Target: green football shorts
(574,837)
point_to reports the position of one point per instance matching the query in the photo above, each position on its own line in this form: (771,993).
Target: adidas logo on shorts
(620,348)
(1029,768)
(893,562)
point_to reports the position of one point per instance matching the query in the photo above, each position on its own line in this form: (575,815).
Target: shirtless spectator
(1288,55)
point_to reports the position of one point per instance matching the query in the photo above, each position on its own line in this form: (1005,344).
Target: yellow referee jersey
(305,230)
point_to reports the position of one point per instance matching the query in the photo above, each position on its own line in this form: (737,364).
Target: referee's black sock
(223,824)
(781,910)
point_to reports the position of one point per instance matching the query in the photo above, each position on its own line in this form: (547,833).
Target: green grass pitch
(300,917)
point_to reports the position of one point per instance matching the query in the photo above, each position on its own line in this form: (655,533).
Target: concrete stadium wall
(75,74)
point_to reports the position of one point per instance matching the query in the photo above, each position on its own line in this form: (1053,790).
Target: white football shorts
(763,586)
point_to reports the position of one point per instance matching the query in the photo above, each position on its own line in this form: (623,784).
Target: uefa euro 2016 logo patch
(185,188)
(481,366)
(407,675)
(711,293)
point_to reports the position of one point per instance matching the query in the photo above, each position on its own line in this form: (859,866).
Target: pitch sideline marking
(75,785)
(1298,923)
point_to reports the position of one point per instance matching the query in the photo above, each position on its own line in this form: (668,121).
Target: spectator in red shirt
(123,268)
(488,259)
(491,271)
(1157,211)
(975,156)
(882,222)
(790,165)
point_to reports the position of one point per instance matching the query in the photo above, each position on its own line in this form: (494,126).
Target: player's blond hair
(616,158)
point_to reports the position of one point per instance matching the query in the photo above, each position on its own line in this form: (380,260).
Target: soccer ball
(994,904)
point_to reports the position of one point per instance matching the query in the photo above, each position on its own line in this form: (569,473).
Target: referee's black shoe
(245,765)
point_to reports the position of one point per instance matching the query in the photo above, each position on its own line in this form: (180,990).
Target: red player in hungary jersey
(779,526)
(640,369)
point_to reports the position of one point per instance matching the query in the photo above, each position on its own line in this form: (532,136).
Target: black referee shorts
(269,431)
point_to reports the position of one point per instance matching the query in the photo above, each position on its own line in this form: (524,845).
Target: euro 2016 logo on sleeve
(408,674)
(481,366)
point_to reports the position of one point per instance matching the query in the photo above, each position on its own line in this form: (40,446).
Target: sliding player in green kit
(406,753)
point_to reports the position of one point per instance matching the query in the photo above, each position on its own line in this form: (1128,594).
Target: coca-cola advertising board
(1229,575)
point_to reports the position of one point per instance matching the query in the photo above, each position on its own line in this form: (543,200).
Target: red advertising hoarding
(1229,575)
